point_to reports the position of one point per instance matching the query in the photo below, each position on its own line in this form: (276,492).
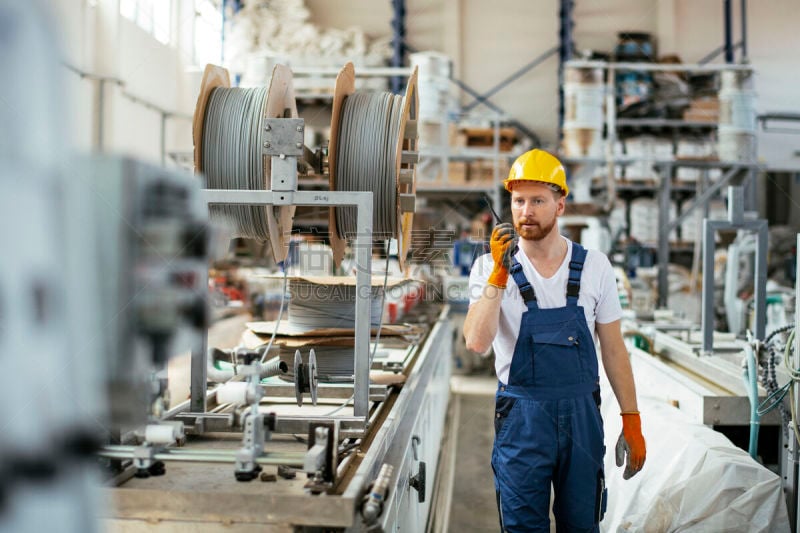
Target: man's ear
(562,204)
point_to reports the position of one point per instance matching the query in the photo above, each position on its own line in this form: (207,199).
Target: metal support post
(398,41)
(743,15)
(198,377)
(791,463)
(735,205)
(363,304)
(564,53)
(727,12)
(707,309)
(796,362)
(737,220)
(760,289)
(663,236)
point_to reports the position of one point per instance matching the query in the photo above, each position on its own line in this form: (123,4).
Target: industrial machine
(735,384)
(259,452)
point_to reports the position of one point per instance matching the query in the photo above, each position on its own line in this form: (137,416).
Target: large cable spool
(373,147)
(228,131)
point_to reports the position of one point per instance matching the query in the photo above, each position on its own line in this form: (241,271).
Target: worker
(539,299)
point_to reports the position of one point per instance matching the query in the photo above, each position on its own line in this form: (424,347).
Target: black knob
(418,482)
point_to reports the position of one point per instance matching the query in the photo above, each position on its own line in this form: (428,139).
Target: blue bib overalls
(547,420)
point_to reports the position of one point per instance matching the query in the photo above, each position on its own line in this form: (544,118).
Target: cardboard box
(457,172)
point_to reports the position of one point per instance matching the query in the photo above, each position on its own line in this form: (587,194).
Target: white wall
(97,40)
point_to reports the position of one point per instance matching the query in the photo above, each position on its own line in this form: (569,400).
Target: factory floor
(473,506)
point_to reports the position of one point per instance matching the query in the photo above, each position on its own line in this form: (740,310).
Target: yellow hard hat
(538,165)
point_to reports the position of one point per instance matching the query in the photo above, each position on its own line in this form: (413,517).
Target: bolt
(267,128)
(267,144)
(299,145)
(299,128)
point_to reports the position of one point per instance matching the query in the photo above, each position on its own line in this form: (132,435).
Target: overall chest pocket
(556,354)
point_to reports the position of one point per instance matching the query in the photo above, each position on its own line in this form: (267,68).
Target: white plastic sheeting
(694,478)
(282,29)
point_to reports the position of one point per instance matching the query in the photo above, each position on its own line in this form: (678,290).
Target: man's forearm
(480,325)
(617,365)
(620,375)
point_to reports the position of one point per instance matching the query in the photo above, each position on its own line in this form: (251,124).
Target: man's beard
(535,232)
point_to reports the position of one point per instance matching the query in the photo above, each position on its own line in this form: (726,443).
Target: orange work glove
(502,245)
(630,445)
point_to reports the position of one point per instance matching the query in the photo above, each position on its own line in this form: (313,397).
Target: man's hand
(503,246)
(630,445)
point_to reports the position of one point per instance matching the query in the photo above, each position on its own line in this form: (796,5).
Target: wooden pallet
(485,137)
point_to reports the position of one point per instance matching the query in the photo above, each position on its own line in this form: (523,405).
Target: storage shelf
(467,154)
(444,188)
(659,67)
(663,123)
(646,189)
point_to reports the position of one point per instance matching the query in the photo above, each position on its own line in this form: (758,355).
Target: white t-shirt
(598,296)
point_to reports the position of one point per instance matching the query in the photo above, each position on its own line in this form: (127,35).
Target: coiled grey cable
(367,160)
(232,159)
(315,306)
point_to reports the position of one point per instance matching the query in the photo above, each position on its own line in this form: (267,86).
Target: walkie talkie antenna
(489,204)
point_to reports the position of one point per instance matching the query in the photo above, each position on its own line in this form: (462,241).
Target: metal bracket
(284,173)
(257,430)
(321,458)
(283,136)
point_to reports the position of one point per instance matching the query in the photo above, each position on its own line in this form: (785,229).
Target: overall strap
(525,288)
(575,271)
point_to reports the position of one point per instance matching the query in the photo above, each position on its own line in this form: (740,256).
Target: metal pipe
(119,448)
(727,13)
(268,459)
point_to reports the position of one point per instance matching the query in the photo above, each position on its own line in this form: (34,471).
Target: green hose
(751,385)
